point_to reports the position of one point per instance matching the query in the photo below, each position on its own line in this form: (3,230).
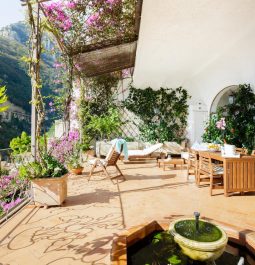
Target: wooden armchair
(110,161)
(192,164)
(209,171)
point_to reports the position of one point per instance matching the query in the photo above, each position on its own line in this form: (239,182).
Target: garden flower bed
(14,193)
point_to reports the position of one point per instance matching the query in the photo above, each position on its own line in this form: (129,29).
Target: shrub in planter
(74,161)
(49,180)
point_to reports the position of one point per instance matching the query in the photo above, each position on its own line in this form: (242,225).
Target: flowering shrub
(234,123)
(12,190)
(62,148)
(80,22)
(221,124)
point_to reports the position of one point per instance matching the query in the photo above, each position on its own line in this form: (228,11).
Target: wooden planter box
(50,191)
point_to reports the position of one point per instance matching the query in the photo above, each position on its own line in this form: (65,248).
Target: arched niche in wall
(223,98)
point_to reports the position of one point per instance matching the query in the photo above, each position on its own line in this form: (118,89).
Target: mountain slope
(14,75)
(13,72)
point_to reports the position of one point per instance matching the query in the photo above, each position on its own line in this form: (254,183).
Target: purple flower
(63,148)
(51,104)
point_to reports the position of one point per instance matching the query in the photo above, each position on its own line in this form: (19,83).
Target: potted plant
(73,161)
(49,180)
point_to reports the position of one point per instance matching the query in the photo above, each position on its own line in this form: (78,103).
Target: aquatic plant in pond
(207,232)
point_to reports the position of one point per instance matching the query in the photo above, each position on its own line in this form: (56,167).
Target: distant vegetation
(14,75)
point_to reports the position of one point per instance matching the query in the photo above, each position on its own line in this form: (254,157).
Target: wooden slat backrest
(192,160)
(205,163)
(114,157)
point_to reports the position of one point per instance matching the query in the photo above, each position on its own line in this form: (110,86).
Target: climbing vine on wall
(98,112)
(163,113)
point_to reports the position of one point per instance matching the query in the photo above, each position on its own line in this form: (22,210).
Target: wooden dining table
(239,173)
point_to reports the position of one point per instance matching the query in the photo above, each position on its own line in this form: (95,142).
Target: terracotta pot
(77,171)
(49,191)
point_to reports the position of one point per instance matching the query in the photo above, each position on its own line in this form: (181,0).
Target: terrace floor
(81,231)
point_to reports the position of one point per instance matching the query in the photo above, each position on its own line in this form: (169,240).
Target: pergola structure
(96,58)
(106,56)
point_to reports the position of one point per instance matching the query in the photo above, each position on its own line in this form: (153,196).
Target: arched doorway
(223,98)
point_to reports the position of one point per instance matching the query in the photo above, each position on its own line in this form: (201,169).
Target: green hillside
(14,75)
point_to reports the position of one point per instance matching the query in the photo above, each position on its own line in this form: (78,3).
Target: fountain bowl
(199,250)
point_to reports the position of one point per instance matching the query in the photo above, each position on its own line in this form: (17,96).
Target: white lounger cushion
(146,151)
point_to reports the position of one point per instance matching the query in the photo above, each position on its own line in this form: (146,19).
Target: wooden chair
(209,171)
(110,161)
(192,164)
(242,151)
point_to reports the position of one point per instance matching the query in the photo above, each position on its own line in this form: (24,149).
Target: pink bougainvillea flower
(92,19)
(56,14)
(58,65)
(78,67)
(111,2)
(70,4)
(57,81)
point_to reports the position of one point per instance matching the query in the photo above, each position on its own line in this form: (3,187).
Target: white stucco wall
(201,45)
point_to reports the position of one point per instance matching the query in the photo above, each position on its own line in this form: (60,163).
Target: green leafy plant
(3,99)
(106,125)
(48,167)
(4,171)
(95,105)
(240,121)
(163,113)
(21,144)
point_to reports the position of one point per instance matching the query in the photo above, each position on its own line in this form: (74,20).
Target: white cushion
(146,151)
(152,149)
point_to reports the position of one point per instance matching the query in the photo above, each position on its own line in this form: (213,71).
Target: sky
(11,11)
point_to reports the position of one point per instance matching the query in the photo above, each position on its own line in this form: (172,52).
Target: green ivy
(163,113)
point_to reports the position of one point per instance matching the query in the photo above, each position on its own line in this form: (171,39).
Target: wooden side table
(174,161)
